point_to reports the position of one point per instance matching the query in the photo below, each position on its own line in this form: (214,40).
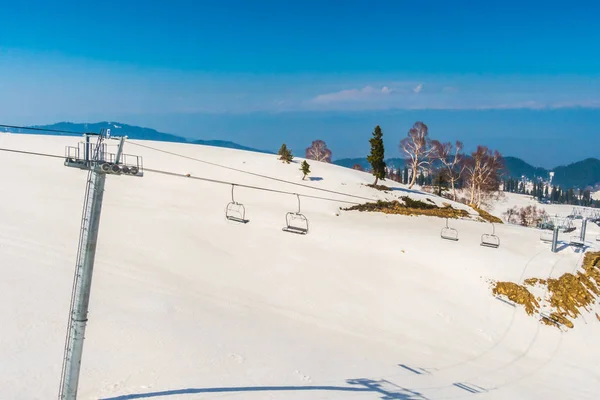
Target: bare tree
(483,171)
(358,167)
(510,215)
(525,216)
(318,151)
(451,157)
(417,146)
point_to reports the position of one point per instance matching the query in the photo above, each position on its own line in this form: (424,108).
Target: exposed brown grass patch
(534,281)
(486,215)
(557,320)
(409,206)
(518,294)
(571,293)
(567,295)
(383,188)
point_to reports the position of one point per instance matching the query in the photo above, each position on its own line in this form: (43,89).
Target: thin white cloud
(473,95)
(366,93)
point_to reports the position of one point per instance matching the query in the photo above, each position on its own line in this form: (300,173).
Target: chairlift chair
(235,211)
(568,227)
(449,233)
(490,240)
(296,222)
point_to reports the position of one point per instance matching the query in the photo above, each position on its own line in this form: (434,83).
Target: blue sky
(263,72)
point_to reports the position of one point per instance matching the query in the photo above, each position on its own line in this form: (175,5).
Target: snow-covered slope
(520,200)
(186,304)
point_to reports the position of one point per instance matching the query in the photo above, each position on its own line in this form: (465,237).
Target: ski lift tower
(94,158)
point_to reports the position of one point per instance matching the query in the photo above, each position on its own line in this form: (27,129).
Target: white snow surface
(521,200)
(188,305)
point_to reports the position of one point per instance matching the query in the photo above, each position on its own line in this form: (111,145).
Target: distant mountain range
(133,132)
(581,174)
(362,161)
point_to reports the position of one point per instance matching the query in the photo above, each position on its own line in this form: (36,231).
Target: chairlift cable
(31,153)
(194,159)
(198,178)
(247,186)
(250,173)
(33,128)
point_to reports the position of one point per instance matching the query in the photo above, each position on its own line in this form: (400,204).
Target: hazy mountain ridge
(395,162)
(133,132)
(580,174)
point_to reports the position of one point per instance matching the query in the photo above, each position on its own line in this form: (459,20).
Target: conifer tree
(305,168)
(376,158)
(285,154)
(421,179)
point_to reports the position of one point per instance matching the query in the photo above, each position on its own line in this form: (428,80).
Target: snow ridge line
(203,179)
(250,173)
(246,186)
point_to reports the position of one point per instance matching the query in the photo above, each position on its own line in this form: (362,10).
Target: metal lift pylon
(94,159)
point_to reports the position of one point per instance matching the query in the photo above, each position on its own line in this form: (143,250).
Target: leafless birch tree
(318,151)
(452,161)
(417,146)
(483,170)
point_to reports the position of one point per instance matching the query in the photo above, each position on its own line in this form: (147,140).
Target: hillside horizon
(582,173)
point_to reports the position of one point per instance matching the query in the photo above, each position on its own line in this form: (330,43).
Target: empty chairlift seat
(235,211)
(449,233)
(490,239)
(568,226)
(295,221)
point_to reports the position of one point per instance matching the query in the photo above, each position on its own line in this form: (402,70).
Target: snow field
(188,302)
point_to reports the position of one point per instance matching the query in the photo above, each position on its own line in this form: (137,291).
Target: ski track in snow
(186,304)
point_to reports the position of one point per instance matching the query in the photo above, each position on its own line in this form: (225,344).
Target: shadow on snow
(389,390)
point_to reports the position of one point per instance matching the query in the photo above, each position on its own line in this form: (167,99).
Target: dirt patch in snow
(486,215)
(568,294)
(409,206)
(517,294)
(534,281)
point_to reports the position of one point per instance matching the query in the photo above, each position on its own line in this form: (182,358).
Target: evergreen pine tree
(305,168)
(405,178)
(285,154)
(376,158)
(441,182)
(421,179)
(429,179)
(570,196)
